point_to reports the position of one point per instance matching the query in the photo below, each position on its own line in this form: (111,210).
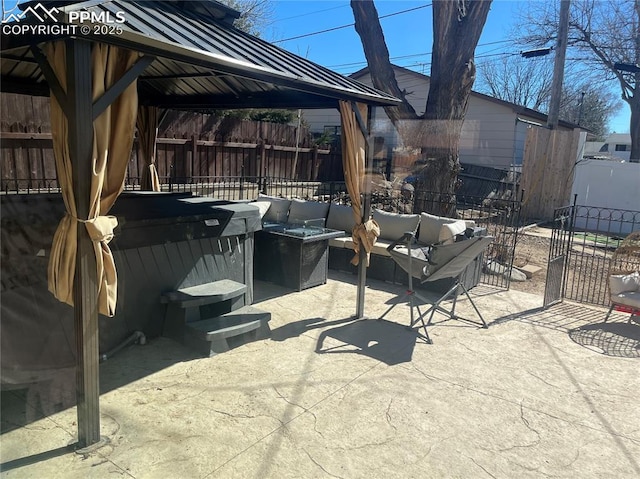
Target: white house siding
(487,135)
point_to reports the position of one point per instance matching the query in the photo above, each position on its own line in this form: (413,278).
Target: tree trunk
(457,25)
(377,55)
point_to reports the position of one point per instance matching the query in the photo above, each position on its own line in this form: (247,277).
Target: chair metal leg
(412,316)
(451,312)
(608,313)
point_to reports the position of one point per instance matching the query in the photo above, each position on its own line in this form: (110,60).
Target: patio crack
(539,378)
(281,396)
(320,465)
(525,421)
(388,416)
(245,416)
(481,467)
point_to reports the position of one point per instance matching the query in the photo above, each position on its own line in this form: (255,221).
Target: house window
(623,148)
(604,148)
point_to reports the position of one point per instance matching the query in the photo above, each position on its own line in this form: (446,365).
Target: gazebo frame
(217,76)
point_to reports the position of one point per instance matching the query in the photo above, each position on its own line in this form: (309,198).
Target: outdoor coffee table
(295,256)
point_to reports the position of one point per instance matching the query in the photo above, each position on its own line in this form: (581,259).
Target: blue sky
(408,35)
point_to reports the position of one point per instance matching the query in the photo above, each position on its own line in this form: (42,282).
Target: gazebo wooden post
(80,121)
(366,204)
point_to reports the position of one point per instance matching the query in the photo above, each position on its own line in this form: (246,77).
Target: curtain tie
(100,229)
(365,236)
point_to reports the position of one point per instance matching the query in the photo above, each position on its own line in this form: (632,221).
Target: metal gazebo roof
(201,60)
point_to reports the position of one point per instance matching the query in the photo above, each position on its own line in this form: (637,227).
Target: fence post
(261,163)
(314,163)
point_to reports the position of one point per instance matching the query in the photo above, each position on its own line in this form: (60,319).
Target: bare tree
(523,82)
(606,36)
(254,14)
(589,106)
(527,82)
(457,25)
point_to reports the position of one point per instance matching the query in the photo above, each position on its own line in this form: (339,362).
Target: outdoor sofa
(427,228)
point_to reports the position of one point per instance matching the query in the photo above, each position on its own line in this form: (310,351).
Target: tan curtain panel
(353,164)
(147,124)
(112,142)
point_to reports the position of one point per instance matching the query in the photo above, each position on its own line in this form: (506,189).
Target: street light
(538,52)
(627,67)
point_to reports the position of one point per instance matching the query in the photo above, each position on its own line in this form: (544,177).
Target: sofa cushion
(279,208)
(341,218)
(620,283)
(380,248)
(449,231)
(342,242)
(301,210)
(394,225)
(263,207)
(430,227)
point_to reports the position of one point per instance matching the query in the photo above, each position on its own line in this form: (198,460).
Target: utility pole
(558,66)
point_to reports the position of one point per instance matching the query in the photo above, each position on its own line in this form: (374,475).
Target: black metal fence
(581,255)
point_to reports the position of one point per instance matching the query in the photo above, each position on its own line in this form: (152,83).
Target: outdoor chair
(432,263)
(624,278)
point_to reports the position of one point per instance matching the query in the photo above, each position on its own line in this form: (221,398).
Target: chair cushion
(279,208)
(301,210)
(628,298)
(394,225)
(341,218)
(620,283)
(449,231)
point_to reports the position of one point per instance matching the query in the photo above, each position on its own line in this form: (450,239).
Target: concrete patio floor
(539,393)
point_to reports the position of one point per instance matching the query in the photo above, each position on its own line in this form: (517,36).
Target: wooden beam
(85,281)
(19,135)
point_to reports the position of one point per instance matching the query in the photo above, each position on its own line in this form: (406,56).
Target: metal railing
(594,233)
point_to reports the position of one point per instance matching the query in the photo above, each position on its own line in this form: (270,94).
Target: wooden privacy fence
(190,145)
(547,170)
(28,162)
(187,158)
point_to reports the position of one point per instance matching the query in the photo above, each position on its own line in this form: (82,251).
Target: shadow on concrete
(584,325)
(35,458)
(385,341)
(612,339)
(297,328)
(43,397)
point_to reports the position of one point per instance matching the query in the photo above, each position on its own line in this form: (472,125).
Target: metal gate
(583,241)
(561,236)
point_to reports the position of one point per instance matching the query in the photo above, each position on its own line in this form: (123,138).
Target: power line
(343,66)
(350,25)
(304,15)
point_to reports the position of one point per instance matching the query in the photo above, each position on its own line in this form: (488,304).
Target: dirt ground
(532,247)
